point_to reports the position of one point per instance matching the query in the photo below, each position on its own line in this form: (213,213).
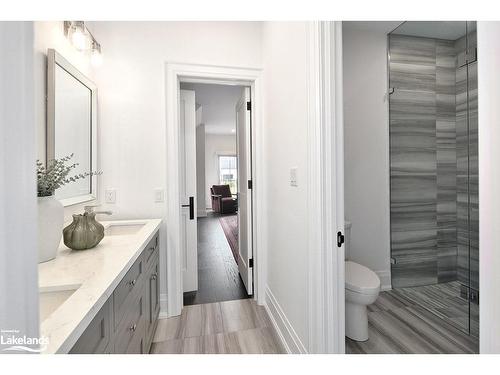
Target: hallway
(218,277)
(230,327)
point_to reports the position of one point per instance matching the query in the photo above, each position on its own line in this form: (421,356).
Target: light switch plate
(293,177)
(159,196)
(110,196)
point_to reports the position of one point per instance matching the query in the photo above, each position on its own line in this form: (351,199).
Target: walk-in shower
(434,169)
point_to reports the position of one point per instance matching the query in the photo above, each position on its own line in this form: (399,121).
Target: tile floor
(397,324)
(445,301)
(229,327)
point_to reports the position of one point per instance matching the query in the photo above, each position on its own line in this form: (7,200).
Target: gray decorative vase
(83,233)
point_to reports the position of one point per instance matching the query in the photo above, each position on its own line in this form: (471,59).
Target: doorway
(414,143)
(213,271)
(177,196)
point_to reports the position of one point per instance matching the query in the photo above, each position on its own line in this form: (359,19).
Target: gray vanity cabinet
(127,321)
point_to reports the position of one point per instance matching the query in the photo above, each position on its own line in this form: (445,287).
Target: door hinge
(249,184)
(250,263)
(249,106)
(340,239)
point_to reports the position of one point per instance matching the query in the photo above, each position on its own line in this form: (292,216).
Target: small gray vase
(83,233)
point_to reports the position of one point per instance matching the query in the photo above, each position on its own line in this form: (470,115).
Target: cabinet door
(155,293)
(152,300)
(96,337)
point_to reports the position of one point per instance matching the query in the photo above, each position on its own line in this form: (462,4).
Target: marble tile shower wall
(423,160)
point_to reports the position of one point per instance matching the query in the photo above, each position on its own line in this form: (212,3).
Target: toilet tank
(347,230)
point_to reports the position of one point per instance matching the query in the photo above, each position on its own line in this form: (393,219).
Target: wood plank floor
(230,327)
(399,325)
(218,276)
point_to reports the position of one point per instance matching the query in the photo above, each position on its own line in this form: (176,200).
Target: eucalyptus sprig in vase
(50,210)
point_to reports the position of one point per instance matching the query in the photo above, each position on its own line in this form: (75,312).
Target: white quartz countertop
(93,275)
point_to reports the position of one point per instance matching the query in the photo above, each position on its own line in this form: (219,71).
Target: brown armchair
(222,200)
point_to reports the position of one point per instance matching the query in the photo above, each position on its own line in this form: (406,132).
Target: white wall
(132,96)
(215,145)
(285,132)
(18,217)
(51,35)
(131,84)
(366,145)
(488,49)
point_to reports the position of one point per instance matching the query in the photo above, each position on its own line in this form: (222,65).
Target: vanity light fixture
(95,54)
(83,40)
(76,32)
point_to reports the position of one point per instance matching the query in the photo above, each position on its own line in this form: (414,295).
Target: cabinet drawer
(96,337)
(151,251)
(127,289)
(131,325)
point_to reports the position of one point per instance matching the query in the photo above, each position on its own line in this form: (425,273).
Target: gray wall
(423,160)
(430,149)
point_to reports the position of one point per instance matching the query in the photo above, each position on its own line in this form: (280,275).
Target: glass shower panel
(432,143)
(473,173)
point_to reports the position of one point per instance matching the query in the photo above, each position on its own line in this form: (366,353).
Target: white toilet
(362,287)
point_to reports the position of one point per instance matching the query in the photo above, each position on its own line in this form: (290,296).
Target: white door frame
(326,209)
(174,74)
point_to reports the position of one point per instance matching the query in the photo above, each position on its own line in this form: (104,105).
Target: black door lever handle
(191,208)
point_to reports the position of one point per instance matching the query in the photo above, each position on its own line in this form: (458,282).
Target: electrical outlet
(110,196)
(293,177)
(159,196)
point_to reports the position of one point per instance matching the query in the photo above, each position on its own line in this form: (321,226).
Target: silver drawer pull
(132,282)
(151,248)
(133,328)
(154,276)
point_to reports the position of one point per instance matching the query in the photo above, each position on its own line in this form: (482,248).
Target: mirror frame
(53,59)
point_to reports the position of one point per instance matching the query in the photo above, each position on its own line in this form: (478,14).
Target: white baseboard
(385,280)
(289,338)
(163,306)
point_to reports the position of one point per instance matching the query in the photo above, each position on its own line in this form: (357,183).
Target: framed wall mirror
(72,125)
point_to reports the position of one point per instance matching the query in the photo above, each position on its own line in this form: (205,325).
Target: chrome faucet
(90,209)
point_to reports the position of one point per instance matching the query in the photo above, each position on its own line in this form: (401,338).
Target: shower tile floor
(414,320)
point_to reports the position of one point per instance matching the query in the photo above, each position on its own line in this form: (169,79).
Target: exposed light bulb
(96,58)
(78,39)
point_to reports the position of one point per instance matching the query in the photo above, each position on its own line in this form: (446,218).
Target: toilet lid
(360,279)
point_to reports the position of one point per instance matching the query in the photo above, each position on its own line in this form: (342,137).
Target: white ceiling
(218,104)
(450,30)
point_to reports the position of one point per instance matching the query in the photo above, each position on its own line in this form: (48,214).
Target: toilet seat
(360,279)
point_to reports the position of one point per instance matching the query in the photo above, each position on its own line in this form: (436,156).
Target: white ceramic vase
(50,226)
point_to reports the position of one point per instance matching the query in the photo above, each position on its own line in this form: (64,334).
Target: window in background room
(228,172)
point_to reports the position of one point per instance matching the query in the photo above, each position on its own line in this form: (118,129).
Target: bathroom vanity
(106,299)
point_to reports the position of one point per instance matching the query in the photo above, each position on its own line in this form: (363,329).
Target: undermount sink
(50,299)
(122,229)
